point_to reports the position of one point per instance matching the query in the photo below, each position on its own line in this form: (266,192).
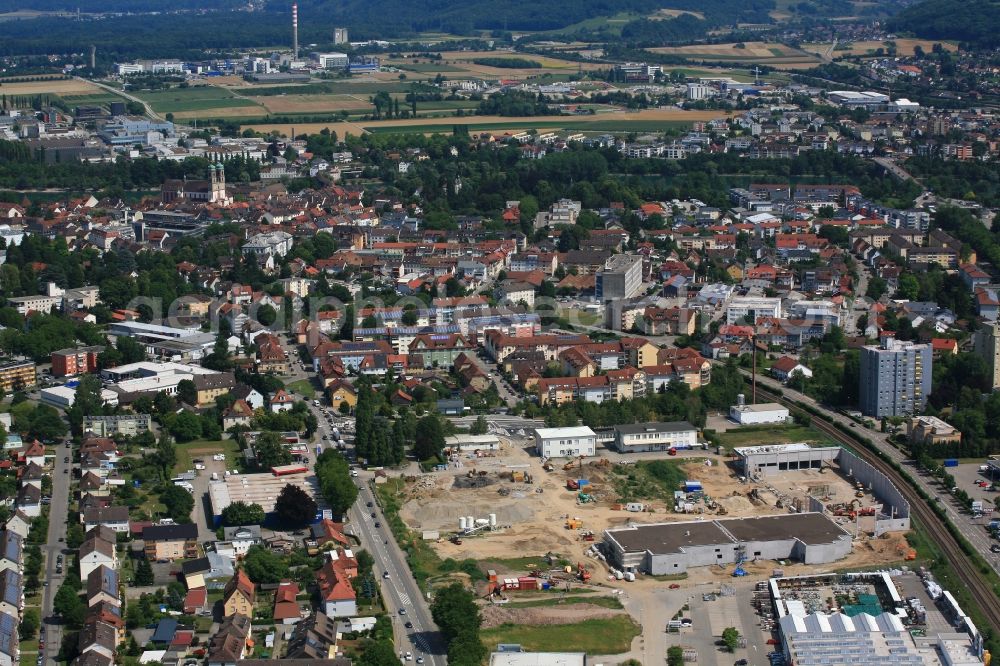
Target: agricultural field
(195,98)
(777,55)
(52,86)
(646,120)
(904,47)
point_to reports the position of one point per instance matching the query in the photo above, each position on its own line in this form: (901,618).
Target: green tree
(480,427)
(187,392)
(241,513)
(263,566)
(455,611)
(335,483)
(429,438)
(143,573)
(30,622)
(731,638)
(69,605)
(269,451)
(179,503)
(46,424)
(184,426)
(675,655)
(294,507)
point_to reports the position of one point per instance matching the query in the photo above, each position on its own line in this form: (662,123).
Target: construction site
(487,505)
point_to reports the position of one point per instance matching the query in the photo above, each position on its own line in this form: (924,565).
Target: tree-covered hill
(976,22)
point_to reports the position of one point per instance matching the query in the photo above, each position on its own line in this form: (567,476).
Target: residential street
(400,590)
(61,479)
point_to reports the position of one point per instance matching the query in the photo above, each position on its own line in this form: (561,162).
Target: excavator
(577,461)
(582,573)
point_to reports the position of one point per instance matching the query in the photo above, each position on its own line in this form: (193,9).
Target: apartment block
(895,377)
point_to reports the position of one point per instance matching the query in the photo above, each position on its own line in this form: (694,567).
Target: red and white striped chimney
(295,31)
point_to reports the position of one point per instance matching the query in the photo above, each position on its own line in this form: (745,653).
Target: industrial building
(620,278)
(752,308)
(757,462)
(852,99)
(642,437)
(861,618)
(511,655)
(895,377)
(472,443)
(262,489)
(332,60)
(565,442)
(671,548)
(765,412)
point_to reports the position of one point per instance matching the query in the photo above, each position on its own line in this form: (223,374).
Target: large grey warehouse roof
(809,528)
(661,538)
(672,426)
(666,538)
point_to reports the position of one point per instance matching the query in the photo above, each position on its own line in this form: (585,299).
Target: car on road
(740,662)
(373,514)
(402,611)
(995,548)
(420,660)
(385,574)
(369,505)
(66,459)
(378,524)
(408,625)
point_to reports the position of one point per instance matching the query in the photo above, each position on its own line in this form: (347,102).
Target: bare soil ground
(494,616)
(903,47)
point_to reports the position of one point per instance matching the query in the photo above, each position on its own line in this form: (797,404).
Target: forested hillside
(180,34)
(975,22)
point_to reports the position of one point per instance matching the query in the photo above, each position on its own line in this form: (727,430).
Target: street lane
(58,508)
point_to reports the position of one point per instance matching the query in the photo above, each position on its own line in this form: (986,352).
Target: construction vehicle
(866,511)
(578,462)
(672,451)
(582,573)
(571,484)
(573,523)
(739,570)
(587,535)
(455,540)
(584,498)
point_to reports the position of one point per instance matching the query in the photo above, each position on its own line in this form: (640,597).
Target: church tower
(217,175)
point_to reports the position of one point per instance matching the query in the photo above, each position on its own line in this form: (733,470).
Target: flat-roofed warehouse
(262,489)
(669,548)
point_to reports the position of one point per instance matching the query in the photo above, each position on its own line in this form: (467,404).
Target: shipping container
(951,462)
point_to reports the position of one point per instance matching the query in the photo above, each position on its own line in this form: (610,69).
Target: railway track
(979,588)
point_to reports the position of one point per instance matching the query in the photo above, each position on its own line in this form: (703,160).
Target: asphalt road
(399,590)
(61,480)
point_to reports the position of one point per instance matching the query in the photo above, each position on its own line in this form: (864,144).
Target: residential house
(314,638)
(97,552)
(238,414)
(786,367)
(99,637)
(286,608)
(281,401)
(114,517)
(229,644)
(211,386)
(337,596)
(11,592)
(10,651)
(342,393)
(102,586)
(239,595)
(171,542)
(248,394)
(208,571)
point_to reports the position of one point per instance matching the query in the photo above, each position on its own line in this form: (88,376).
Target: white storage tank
(629,576)
(470,521)
(482,522)
(461,523)
(493,520)
(619,575)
